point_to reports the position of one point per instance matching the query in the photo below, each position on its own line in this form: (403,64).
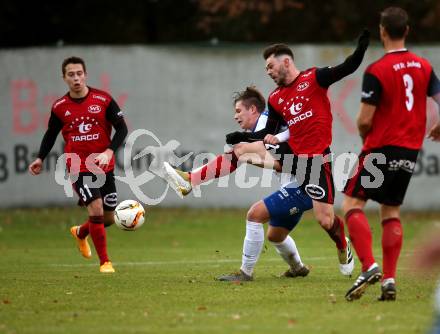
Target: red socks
(337,233)
(361,238)
(97,232)
(360,235)
(220,166)
(392,236)
(83,230)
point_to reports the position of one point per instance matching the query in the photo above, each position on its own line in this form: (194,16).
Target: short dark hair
(251,96)
(72,60)
(277,50)
(395,22)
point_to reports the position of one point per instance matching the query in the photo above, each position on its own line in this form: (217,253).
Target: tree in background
(170,21)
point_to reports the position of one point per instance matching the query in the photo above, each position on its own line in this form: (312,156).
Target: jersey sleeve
(434,84)
(55,125)
(115,116)
(113,113)
(371,89)
(325,76)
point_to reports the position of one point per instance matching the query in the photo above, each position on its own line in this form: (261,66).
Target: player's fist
(36,166)
(364,39)
(271,139)
(235,137)
(104,158)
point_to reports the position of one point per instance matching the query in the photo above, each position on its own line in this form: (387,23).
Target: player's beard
(282,75)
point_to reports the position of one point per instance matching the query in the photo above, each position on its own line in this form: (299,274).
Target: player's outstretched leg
(80,236)
(178,180)
(182,182)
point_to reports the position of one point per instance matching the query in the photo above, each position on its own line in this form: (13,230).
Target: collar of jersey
(81,99)
(398,50)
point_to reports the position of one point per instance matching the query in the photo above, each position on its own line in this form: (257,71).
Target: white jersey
(262,121)
(284,179)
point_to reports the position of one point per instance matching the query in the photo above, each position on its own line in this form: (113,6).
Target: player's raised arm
(54,127)
(329,75)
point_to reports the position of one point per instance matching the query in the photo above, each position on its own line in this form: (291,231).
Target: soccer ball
(129,215)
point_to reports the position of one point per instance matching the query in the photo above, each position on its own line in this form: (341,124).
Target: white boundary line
(181,262)
(204,262)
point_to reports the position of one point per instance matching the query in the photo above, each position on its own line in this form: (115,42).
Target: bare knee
(276,234)
(95,208)
(350,203)
(387,212)
(326,221)
(258,213)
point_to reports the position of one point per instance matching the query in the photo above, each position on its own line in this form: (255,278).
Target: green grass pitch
(165,279)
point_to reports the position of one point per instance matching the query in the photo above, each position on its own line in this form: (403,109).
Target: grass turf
(165,279)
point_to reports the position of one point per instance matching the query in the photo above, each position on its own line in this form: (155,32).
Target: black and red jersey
(398,85)
(86,126)
(305,107)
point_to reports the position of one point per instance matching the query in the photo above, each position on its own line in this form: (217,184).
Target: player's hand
(271,139)
(104,158)
(434,133)
(235,137)
(36,166)
(364,39)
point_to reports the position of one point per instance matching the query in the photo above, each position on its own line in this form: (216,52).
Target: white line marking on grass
(180,262)
(206,262)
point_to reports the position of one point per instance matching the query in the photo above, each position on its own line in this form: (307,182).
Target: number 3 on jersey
(409,101)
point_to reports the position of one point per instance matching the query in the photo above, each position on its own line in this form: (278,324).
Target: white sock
(288,251)
(252,246)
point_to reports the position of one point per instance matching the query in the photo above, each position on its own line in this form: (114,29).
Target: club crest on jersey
(303,86)
(94,109)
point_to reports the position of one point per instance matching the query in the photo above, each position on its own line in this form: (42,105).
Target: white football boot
(177,179)
(346,259)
